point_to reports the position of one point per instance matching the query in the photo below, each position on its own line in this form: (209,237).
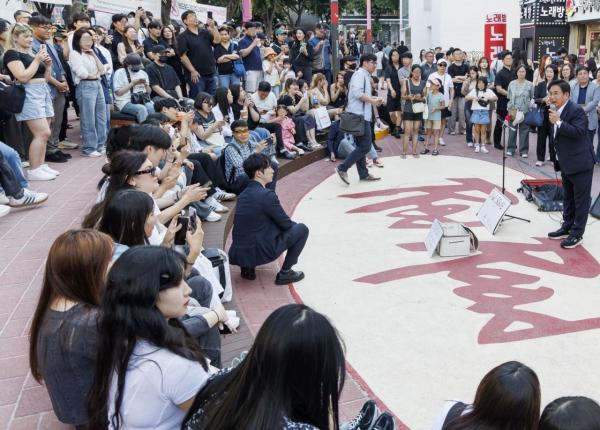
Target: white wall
(459,23)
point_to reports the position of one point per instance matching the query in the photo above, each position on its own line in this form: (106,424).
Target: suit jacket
(258,227)
(592,98)
(574,150)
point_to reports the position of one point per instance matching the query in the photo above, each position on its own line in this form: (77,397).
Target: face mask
(352,66)
(131,21)
(136,68)
(163,58)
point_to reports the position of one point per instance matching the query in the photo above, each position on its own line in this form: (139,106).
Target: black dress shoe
(62,154)
(384,422)
(500,147)
(248,273)
(571,242)
(285,277)
(55,158)
(561,233)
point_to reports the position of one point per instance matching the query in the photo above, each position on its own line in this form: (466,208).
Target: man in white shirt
(132,89)
(265,101)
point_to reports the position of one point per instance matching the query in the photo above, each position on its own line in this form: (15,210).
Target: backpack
(455,412)
(220,264)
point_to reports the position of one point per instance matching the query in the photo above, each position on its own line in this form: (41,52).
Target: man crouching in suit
(575,161)
(262,231)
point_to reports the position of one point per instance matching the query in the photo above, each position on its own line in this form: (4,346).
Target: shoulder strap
(455,412)
(128,79)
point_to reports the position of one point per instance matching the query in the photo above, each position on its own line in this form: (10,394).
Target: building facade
(458,23)
(544,27)
(583,17)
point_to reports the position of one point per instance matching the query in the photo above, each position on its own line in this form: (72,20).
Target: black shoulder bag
(353,123)
(137,98)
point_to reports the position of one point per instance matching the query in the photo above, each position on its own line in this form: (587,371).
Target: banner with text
(494,34)
(124,6)
(180,6)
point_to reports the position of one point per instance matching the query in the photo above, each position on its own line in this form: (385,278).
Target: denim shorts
(38,102)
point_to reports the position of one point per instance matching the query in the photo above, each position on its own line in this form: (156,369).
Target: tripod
(505,127)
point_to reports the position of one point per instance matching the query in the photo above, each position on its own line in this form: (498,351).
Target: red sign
(495,35)
(334,13)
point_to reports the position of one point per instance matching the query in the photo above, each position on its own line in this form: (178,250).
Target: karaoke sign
(494,34)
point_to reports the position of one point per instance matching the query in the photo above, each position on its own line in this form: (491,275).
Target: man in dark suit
(574,159)
(262,231)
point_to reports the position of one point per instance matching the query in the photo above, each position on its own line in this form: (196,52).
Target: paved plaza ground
(403,336)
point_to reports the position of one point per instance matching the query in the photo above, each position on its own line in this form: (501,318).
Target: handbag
(322,117)
(12,97)
(534,118)
(137,98)
(239,69)
(418,107)
(353,123)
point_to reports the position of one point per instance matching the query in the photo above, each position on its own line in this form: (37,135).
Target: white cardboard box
(455,242)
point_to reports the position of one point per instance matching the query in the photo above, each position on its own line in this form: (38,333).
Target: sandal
(425,151)
(434,152)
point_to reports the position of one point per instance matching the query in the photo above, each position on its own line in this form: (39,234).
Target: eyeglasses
(442,65)
(152,170)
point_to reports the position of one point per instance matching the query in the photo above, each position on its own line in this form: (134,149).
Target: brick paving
(26,235)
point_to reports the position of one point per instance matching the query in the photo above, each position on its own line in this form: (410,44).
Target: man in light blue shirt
(321,52)
(361,102)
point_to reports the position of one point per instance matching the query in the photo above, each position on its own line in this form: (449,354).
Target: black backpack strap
(128,79)
(455,412)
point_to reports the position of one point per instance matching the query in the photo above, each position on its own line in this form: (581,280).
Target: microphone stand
(505,128)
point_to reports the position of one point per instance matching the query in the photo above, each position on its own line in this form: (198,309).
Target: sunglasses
(152,170)
(441,65)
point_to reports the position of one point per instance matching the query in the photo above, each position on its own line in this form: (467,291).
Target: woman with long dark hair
(291,379)
(571,413)
(170,42)
(540,97)
(301,55)
(148,368)
(508,397)
(222,109)
(62,343)
(129,45)
(394,104)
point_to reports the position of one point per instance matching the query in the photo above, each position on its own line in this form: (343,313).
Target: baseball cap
(157,49)
(280,31)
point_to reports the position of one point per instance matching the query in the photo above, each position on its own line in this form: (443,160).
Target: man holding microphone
(360,100)
(575,161)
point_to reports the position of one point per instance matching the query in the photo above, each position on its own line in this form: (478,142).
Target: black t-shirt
(149,43)
(237,113)
(26,59)
(165,77)
(503,78)
(219,51)
(458,70)
(198,48)
(391,72)
(116,39)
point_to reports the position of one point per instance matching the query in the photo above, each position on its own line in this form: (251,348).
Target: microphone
(553,107)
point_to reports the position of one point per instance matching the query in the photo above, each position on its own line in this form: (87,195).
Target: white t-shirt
(487,94)
(157,381)
(120,80)
(439,421)
(269,104)
(273,77)
(446,81)
(379,56)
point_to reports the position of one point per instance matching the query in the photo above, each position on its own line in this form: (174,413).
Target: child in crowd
(287,72)
(288,129)
(272,71)
(433,124)
(481,96)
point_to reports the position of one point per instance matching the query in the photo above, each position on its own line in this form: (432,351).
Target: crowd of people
(127,330)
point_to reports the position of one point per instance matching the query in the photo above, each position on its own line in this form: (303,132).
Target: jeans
(14,161)
(92,114)
(469,127)
(58,103)
(8,181)
(141,112)
(363,146)
(206,84)
(523,131)
(228,80)
(458,114)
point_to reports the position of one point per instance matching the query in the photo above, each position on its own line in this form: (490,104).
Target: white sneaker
(215,205)
(452,133)
(300,151)
(524,156)
(477,147)
(40,174)
(50,170)
(274,160)
(94,154)
(539,163)
(4,210)
(24,164)
(30,198)
(223,195)
(442,143)
(470,145)
(3,198)
(213,217)
(484,149)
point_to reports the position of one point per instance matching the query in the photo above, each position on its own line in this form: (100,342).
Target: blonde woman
(33,72)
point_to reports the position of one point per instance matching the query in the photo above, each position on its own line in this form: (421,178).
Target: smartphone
(209,14)
(184,221)
(207,184)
